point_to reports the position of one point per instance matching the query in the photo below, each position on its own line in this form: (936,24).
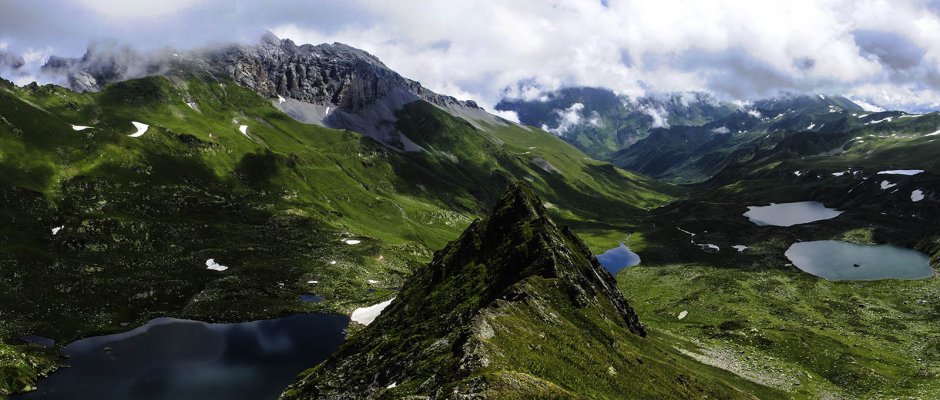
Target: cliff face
(327,74)
(515,307)
(333,85)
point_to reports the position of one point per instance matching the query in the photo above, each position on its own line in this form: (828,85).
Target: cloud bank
(882,52)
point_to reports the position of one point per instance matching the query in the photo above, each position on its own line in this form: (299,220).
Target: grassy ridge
(142,215)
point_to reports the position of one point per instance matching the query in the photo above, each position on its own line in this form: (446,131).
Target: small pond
(309,298)
(789,214)
(178,359)
(843,261)
(618,258)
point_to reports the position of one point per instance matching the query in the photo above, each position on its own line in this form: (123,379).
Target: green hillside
(515,308)
(141,216)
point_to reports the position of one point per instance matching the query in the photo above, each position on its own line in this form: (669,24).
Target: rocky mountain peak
(439,329)
(333,85)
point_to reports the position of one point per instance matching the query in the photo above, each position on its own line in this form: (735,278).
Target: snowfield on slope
(365,315)
(141,129)
(901,172)
(211,264)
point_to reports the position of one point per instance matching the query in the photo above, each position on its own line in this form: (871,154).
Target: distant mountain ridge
(690,137)
(332,85)
(600,122)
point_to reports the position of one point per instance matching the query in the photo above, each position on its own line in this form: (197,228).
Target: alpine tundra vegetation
(586,199)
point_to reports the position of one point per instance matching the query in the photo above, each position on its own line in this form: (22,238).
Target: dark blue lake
(179,359)
(618,258)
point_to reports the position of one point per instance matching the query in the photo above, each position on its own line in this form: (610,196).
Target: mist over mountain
(469,200)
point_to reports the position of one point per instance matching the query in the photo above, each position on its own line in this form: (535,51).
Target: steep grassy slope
(140,216)
(515,308)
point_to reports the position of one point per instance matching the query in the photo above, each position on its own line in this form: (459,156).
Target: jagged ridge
(332,85)
(483,318)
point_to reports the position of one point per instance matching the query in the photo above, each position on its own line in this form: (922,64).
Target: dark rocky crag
(492,316)
(333,85)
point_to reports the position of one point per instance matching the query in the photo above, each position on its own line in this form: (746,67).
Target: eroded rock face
(333,85)
(327,74)
(334,74)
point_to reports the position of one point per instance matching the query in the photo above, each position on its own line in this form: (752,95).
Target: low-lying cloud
(885,53)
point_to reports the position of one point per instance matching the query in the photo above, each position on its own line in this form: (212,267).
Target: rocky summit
(515,308)
(332,85)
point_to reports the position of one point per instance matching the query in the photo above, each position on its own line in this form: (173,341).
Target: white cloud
(506,114)
(897,96)
(481,50)
(137,9)
(739,49)
(721,130)
(595,119)
(569,118)
(754,113)
(660,116)
(867,106)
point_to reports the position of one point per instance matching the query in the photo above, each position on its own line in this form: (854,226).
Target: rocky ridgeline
(438,335)
(327,74)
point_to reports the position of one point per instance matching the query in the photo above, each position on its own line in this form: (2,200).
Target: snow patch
(683,314)
(740,248)
(798,173)
(55,230)
(887,185)
(880,121)
(244,130)
(80,128)
(709,248)
(811,125)
(372,281)
(313,282)
(141,129)
(908,172)
(917,195)
(280,100)
(365,315)
(352,241)
(211,264)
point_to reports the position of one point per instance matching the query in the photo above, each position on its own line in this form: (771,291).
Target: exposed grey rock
(334,85)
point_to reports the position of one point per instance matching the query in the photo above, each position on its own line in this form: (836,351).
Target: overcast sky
(885,52)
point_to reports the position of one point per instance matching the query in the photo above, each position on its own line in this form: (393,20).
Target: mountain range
(220,184)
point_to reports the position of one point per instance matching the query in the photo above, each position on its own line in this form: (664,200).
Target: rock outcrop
(442,330)
(333,85)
